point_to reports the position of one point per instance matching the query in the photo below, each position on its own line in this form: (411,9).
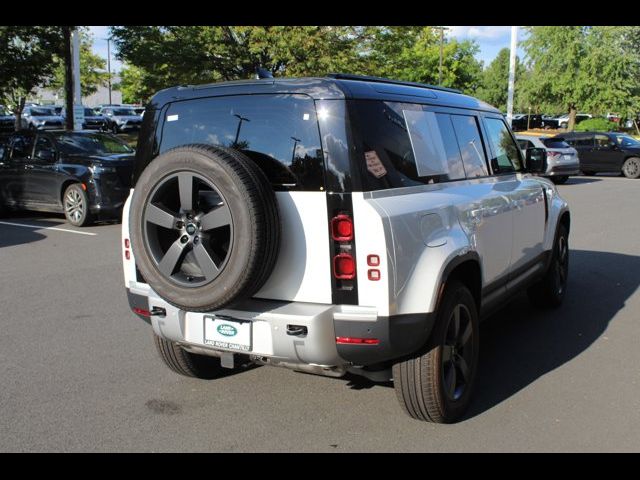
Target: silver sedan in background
(562,159)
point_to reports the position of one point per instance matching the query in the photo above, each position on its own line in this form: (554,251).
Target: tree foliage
(169,55)
(92,69)
(27,59)
(495,80)
(583,68)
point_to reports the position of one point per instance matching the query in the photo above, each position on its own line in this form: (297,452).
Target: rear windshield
(555,143)
(123,111)
(42,112)
(278,132)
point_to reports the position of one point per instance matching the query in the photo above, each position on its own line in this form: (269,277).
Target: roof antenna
(263,73)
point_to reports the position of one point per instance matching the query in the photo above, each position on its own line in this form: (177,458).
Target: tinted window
(21,147)
(124,111)
(434,145)
(470,144)
(583,142)
(278,132)
(41,112)
(506,157)
(602,141)
(91,144)
(42,143)
(89,112)
(555,143)
(626,141)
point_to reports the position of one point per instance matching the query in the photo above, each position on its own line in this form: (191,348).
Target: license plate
(229,334)
(568,158)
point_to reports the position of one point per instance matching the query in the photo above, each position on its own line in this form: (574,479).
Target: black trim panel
(138,301)
(343,292)
(399,335)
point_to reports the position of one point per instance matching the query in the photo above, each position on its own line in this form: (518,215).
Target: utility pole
(442,29)
(68,78)
(78,113)
(512,72)
(109,65)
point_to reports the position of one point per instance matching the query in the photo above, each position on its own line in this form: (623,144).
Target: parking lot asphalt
(78,372)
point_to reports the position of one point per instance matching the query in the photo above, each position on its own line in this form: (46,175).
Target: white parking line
(41,227)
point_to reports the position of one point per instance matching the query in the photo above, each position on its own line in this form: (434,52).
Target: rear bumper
(557,170)
(273,324)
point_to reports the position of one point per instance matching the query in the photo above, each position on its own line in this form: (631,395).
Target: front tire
(631,167)
(187,363)
(551,289)
(435,385)
(76,206)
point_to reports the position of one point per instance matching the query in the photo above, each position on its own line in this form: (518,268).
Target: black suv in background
(7,122)
(82,174)
(526,122)
(606,152)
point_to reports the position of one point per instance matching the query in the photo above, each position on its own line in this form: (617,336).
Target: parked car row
(589,153)
(83,174)
(521,121)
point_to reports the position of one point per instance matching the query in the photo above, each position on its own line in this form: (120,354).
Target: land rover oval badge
(227,330)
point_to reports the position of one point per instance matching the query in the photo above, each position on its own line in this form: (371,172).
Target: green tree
(495,82)
(171,55)
(92,69)
(413,54)
(582,67)
(133,85)
(27,60)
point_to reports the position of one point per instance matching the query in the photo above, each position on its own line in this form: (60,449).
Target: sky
(490,39)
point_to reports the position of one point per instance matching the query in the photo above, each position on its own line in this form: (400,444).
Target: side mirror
(536,160)
(46,155)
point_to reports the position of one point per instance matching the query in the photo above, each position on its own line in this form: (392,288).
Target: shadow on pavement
(13,235)
(520,344)
(580,180)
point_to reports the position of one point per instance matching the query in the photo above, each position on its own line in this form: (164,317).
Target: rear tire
(631,167)
(436,384)
(187,363)
(550,290)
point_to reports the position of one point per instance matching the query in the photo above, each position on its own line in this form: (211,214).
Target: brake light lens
(127,244)
(342,228)
(141,311)
(356,341)
(553,155)
(344,266)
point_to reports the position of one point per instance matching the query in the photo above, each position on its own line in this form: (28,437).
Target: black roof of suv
(333,86)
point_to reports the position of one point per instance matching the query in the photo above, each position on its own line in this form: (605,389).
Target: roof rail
(367,78)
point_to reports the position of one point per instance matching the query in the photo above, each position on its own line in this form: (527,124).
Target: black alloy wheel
(188,229)
(457,353)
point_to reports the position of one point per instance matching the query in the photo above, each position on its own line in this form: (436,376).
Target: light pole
(512,73)
(109,65)
(442,29)
(241,119)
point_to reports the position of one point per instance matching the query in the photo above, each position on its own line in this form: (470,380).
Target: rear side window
(582,142)
(404,145)
(555,143)
(506,157)
(278,132)
(470,143)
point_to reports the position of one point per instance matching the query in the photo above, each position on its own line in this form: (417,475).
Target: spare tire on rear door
(204,226)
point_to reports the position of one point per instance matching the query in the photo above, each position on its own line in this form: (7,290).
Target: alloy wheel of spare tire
(204,227)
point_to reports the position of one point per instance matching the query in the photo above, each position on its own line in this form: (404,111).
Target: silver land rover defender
(335,225)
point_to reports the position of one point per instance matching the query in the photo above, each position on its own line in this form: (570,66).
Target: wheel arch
(66,184)
(467,270)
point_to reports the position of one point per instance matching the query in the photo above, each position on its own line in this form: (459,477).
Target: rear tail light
(356,341)
(553,155)
(342,228)
(127,246)
(344,267)
(141,311)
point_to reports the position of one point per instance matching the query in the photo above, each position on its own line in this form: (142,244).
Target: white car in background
(562,159)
